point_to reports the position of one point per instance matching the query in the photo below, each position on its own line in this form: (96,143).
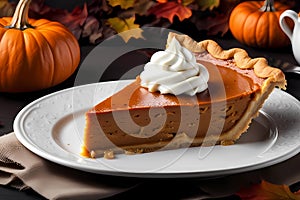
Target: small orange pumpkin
(34,54)
(256,23)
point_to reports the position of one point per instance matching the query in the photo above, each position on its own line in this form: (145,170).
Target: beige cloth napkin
(22,169)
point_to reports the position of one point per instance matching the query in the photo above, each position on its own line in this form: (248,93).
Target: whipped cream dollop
(175,71)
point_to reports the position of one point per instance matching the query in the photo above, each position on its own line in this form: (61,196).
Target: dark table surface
(11,104)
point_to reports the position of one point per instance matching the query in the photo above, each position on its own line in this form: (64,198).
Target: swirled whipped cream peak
(175,71)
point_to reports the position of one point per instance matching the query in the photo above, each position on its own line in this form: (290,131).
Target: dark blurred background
(69,4)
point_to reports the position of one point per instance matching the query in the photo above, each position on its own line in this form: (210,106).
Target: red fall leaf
(73,20)
(171,9)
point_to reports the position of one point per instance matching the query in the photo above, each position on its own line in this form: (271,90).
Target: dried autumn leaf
(162,1)
(126,28)
(124,4)
(92,30)
(96,7)
(73,20)
(214,25)
(267,191)
(91,25)
(186,2)
(3,3)
(141,7)
(170,9)
(38,9)
(6,9)
(208,4)
(121,25)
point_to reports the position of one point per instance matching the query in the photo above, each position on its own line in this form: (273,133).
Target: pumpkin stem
(20,17)
(268,6)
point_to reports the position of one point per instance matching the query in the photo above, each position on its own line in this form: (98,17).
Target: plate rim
(39,152)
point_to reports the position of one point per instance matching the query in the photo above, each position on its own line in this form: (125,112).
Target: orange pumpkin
(256,23)
(34,54)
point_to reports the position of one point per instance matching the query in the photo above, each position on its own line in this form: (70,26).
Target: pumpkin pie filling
(135,120)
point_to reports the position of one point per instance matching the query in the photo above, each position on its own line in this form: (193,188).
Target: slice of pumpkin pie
(191,94)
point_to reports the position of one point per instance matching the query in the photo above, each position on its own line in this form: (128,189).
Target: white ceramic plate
(52,127)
